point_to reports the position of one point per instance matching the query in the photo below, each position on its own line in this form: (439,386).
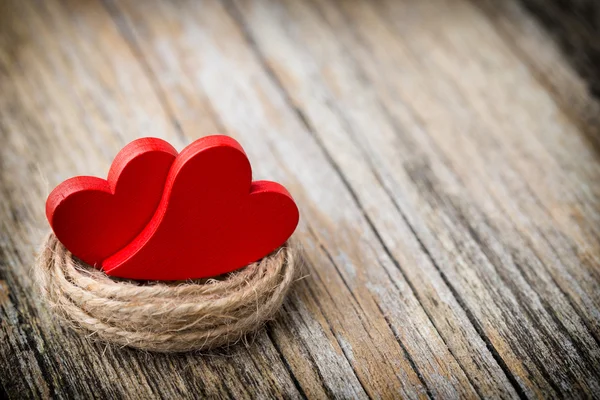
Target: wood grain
(443,154)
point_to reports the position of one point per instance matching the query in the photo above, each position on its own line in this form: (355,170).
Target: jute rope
(165,317)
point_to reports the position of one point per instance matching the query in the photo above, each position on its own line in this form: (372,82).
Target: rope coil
(165,316)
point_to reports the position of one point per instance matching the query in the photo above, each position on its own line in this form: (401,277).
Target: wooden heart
(211,219)
(94,218)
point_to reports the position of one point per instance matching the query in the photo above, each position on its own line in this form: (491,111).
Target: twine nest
(165,316)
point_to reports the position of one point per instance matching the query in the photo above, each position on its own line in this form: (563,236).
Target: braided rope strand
(165,316)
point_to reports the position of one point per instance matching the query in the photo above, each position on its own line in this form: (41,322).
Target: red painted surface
(211,219)
(94,218)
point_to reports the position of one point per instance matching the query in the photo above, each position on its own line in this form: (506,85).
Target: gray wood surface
(443,154)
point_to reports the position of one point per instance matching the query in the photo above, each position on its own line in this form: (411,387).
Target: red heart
(211,219)
(94,218)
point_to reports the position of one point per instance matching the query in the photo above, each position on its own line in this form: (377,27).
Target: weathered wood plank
(575,26)
(501,246)
(448,191)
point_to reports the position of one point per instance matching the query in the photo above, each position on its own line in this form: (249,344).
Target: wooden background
(444,154)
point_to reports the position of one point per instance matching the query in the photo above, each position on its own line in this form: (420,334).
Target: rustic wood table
(444,155)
